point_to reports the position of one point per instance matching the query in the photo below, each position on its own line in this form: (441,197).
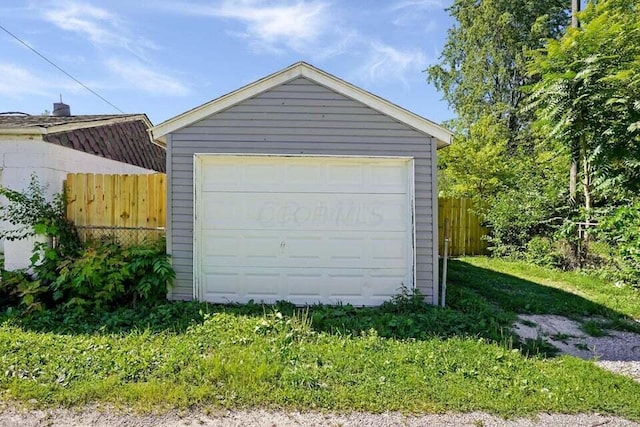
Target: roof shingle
(121,137)
(126,142)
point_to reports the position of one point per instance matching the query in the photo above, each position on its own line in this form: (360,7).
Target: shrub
(11,285)
(542,251)
(97,276)
(515,216)
(107,274)
(621,230)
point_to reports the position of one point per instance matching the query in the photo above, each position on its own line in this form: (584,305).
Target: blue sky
(165,57)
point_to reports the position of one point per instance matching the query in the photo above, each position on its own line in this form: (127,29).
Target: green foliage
(96,277)
(482,67)
(150,271)
(278,360)
(31,214)
(531,208)
(190,354)
(587,94)
(103,276)
(541,251)
(475,165)
(530,97)
(15,285)
(496,157)
(620,228)
(107,274)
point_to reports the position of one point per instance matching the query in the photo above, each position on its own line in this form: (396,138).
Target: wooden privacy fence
(127,208)
(458,223)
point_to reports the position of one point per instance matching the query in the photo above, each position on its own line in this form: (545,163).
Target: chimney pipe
(60,109)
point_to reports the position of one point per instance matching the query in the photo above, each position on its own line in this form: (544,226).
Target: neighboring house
(302,187)
(53,146)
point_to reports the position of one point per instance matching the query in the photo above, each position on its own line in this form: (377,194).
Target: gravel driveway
(617,351)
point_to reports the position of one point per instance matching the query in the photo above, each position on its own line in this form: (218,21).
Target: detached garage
(301,187)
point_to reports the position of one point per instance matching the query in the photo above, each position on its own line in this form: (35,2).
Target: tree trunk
(573,180)
(575,8)
(586,180)
(575,155)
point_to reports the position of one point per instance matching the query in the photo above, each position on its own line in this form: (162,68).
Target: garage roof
(302,69)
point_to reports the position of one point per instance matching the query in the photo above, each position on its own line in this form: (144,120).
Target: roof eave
(32,131)
(98,122)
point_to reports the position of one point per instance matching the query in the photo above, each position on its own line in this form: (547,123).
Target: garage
(302,187)
(306,229)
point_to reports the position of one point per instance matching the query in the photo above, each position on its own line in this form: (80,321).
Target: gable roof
(124,138)
(302,69)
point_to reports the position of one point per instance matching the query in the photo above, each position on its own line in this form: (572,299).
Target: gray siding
(299,117)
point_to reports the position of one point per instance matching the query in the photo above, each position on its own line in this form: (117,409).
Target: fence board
(458,223)
(108,202)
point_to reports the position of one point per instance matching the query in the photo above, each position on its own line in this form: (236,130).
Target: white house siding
(22,157)
(298,117)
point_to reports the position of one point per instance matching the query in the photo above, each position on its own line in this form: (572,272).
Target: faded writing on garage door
(321,213)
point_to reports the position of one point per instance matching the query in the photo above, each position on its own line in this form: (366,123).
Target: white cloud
(313,29)
(291,24)
(17,81)
(416,14)
(419,4)
(139,76)
(386,62)
(99,26)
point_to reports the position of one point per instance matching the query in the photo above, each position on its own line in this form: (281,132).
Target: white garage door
(303,229)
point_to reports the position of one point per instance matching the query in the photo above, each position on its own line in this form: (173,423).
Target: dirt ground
(93,417)
(616,351)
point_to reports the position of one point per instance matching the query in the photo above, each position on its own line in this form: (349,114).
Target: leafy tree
(495,156)
(476,164)
(588,90)
(483,65)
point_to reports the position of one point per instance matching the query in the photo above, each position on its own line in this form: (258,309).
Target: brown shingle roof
(126,142)
(24,121)
(123,138)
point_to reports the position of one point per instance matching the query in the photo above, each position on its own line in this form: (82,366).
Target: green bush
(30,213)
(12,284)
(102,277)
(514,217)
(63,272)
(106,275)
(542,251)
(621,230)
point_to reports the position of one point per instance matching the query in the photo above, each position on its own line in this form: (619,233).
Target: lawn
(525,288)
(403,356)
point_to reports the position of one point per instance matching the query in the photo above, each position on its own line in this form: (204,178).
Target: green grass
(275,361)
(402,356)
(519,287)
